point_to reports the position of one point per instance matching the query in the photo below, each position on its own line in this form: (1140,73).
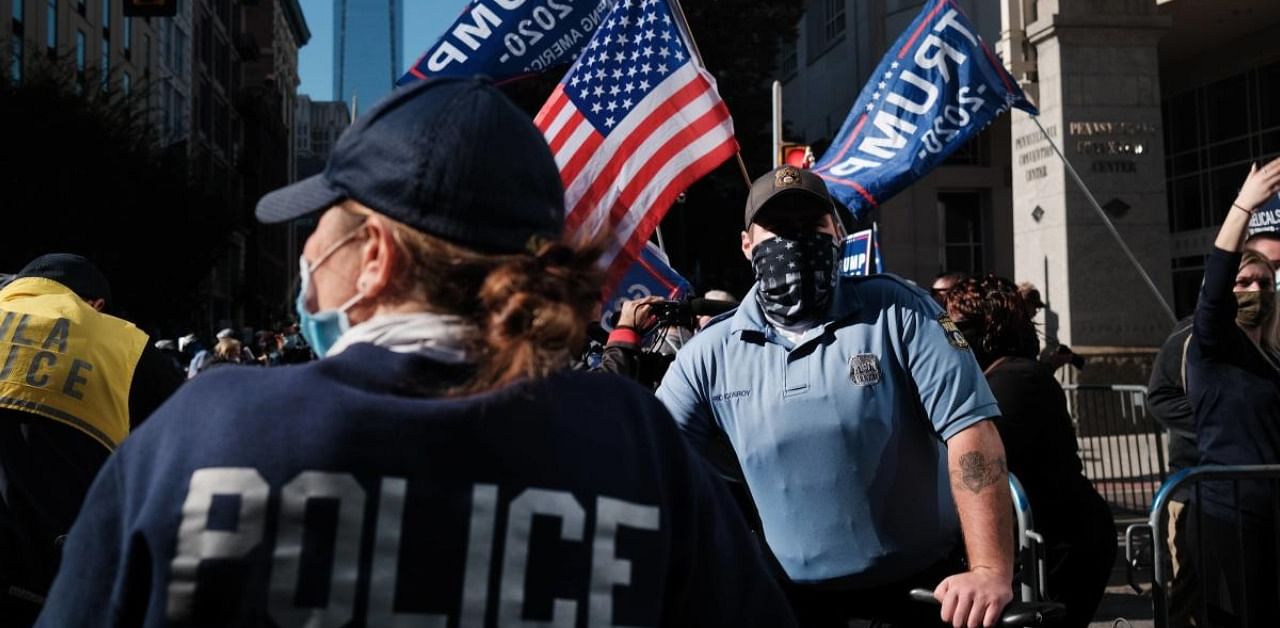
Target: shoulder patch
(954,335)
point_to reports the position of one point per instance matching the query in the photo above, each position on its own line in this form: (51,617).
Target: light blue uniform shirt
(840,437)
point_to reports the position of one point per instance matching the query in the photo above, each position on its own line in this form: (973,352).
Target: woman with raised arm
(1233,381)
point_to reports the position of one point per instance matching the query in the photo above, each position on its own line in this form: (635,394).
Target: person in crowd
(189,346)
(294,349)
(944,282)
(1168,403)
(848,402)
(1268,244)
(270,344)
(722,296)
(438,464)
(246,356)
(1040,443)
(1233,381)
(169,349)
(624,353)
(227,351)
(199,358)
(75,381)
(1054,354)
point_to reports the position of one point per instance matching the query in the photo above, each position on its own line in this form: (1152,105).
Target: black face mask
(796,276)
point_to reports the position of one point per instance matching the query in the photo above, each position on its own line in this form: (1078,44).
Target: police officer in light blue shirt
(859,418)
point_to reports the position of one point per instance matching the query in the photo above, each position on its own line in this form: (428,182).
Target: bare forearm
(980,485)
(1234,228)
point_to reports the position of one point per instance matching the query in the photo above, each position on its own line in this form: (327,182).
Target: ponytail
(530,310)
(537,309)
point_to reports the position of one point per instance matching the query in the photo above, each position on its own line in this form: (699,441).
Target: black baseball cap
(451,157)
(72,271)
(787,182)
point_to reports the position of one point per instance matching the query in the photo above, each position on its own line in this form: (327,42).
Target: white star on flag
(622,168)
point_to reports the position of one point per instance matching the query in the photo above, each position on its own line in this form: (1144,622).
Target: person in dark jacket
(439,465)
(75,381)
(1040,442)
(1233,380)
(1169,405)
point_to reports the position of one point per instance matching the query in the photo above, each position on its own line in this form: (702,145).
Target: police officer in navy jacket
(439,466)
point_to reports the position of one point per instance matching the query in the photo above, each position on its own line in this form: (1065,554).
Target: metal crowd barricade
(1121,444)
(1146,543)
(1031,576)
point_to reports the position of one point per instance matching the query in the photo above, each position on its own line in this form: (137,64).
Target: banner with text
(511,38)
(937,87)
(1267,217)
(860,254)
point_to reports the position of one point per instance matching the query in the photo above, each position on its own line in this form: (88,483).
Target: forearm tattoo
(977,472)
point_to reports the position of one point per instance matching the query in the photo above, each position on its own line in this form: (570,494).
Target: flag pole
(683,24)
(1106,221)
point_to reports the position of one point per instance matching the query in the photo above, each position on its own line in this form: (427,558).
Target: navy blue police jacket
(348,492)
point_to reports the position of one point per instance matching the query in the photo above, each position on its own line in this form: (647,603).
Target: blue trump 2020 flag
(650,275)
(938,86)
(510,38)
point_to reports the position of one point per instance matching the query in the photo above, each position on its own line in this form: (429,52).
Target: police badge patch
(786,176)
(954,335)
(864,369)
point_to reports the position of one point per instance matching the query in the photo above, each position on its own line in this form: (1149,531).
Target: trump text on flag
(504,38)
(938,85)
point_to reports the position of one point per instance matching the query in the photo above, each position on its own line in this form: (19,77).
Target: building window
(126,82)
(824,26)
(832,19)
(80,59)
(179,52)
(973,152)
(15,60)
(127,42)
(962,230)
(51,28)
(80,8)
(203,106)
(106,15)
(16,44)
(1212,134)
(106,63)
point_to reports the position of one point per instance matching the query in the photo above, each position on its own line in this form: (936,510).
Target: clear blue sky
(424,21)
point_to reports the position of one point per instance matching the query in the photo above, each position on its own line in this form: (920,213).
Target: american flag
(633,123)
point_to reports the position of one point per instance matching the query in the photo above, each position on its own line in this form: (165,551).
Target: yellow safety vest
(64,360)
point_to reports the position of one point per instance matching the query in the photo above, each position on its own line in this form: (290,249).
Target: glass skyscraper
(367,40)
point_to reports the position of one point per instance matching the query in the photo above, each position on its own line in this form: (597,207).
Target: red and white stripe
(626,181)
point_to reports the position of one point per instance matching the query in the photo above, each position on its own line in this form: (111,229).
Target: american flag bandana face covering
(796,276)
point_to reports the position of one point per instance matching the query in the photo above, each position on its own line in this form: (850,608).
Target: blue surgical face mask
(322,329)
